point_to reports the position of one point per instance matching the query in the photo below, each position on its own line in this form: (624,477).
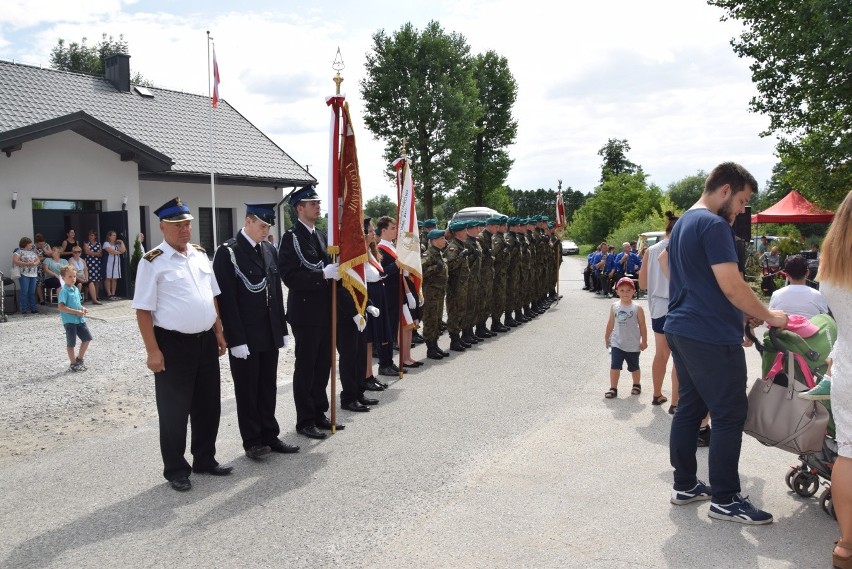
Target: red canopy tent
(793,208)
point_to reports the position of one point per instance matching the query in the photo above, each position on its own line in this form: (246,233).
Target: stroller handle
(773,338)
(750,335)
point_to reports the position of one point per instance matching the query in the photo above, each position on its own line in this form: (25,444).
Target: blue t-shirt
(70,297)
(698,309)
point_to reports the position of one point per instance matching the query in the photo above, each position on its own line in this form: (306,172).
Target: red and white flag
(408,238)
(215,79)
(560,211)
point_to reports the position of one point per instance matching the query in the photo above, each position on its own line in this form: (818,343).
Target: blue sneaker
(699,492)
(741,511)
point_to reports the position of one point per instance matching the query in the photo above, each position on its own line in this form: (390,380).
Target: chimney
(117,71)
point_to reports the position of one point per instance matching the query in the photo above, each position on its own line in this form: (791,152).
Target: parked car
(569,247)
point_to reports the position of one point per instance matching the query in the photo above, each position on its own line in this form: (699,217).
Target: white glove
(412,304)
(241,351)
(286,341)
(360,322)
(374,312)
(331,272)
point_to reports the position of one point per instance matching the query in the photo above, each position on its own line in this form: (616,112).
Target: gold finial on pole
(405,146)
(338,66)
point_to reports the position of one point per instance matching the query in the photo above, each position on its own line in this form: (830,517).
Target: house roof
(169,127)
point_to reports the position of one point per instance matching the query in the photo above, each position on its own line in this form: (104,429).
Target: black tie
(317,243)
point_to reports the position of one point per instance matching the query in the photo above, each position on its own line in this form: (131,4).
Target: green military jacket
(435,270)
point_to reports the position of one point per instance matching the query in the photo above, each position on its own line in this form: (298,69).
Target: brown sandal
(637,389)
(612,393)
(659,399)
(842,562)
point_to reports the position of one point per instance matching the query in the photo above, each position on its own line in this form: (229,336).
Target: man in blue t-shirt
(704,328)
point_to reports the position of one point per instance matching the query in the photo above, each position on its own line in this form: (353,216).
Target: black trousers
(188,388)
(352,348)
(255,388)
(310,374)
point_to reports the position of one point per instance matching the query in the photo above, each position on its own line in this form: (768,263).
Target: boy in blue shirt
(73,314)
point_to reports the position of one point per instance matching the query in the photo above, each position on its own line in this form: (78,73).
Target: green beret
(543,218)
(493,220)
(436,233)
(550,224)
(458,226)
(504,219)
(430,223)
(512,221)
(419,223)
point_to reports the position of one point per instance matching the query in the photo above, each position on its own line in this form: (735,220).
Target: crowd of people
(605,266)
(492,275)
(38,266)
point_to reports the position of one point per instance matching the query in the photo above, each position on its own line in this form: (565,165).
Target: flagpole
(210,135)
(558,249)
(334,231)
(399,183)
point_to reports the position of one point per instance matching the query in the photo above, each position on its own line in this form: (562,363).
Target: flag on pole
(353,248)
(408,239)
(335,104)
(560,210)
(215,79)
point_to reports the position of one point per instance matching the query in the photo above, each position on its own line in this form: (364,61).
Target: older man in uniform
(178,319)
(252,309)
(435,276)
(306,270)
(458,273)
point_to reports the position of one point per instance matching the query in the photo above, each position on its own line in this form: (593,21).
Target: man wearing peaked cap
(307,270)
(252,309)
(180,327)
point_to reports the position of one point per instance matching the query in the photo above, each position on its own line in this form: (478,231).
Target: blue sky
(659,73)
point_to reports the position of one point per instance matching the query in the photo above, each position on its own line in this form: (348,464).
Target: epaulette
(199,247)
(152,254)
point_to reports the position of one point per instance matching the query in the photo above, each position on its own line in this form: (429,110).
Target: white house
(85,152)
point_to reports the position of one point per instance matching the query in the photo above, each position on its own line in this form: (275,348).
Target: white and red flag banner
(560,211)
(408,238)
(215,79)
(351,243)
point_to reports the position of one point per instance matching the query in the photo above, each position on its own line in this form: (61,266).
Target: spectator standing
(44,251)
(93,253)
(69,244)
(114,249)
(708,299)
(26,259)
(73,317)
(378,327)
(797,297)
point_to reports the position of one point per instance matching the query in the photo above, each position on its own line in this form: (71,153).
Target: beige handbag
(777,417)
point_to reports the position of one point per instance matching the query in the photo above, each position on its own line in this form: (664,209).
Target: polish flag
(215,80)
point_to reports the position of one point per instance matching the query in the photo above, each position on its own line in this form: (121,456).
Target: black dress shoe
(181,484)
(311,432)
(282,447)
(366,401)
(389,371)
(381,384)
(443,353)
(217,470)
(372,384)
(412,364)
(324,423)
(355,406)
(257,451)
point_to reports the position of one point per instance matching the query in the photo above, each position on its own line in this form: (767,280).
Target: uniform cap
(430,223)
(493,220)
(436,233)
(265,212)
(458,226)
(173,211)
(306,194)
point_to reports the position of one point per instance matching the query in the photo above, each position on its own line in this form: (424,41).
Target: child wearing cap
(626,335)
(72,313)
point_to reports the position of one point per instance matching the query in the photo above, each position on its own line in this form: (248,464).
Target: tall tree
(380,205)
(420,88)
(495,128)
(83,58)
(801,63)
(615,162)
(620,199)
(686,191)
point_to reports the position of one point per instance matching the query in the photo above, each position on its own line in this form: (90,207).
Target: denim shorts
(658,323)
(72,331)
(620,356)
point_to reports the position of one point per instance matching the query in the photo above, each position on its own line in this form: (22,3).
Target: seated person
(52,266)
(606,276)
(597,262)
(771,264)
(589,270)
(627,263)
(797,297)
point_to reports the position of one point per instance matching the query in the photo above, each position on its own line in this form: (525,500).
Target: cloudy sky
(659,73)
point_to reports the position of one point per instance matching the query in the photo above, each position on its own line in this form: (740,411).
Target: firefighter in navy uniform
(252,309)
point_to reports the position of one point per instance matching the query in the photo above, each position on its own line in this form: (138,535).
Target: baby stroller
(808,364)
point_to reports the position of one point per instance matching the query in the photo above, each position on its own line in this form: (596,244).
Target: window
(224,226)
(68,205)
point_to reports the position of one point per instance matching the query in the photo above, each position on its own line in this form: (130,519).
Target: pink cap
(627,281)
(800,325)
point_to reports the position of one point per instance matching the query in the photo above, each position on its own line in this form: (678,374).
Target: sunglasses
(76,252)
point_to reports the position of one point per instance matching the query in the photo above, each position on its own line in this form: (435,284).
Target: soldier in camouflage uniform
(500,253)
(486,243)
(474,288)
(428,225)
(523,272)
(556,255)
(435,276)
(455,256)
(545,264)
(513,273)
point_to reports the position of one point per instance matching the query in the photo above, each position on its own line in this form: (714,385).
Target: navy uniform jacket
(255,319)
(309,293)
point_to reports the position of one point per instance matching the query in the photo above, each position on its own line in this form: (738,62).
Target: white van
(477,213)
(648,238)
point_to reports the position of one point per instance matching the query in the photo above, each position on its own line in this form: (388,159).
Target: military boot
(520,317)
(497,326)
(432,351)
(510,322)
(416,338)
(467,336)
(482,332)
(529,313)
(456,343)
(444,353)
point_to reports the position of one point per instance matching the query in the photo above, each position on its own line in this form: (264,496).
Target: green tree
(380,205)
(82,58)
(420,94)
(624,198)
(686,191)
(800,54)
(495,128)
(615,162)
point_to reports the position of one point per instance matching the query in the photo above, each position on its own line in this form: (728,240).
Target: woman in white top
(26,259)
(653,279)
(114,249)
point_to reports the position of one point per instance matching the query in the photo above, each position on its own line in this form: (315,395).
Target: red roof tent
(793,208)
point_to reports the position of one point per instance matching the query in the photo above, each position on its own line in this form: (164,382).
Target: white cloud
(25,13)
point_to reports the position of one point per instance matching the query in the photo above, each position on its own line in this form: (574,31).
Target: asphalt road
(505,456)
